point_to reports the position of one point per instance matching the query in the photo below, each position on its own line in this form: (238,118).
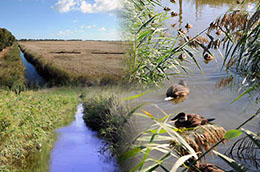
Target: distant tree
(6,38)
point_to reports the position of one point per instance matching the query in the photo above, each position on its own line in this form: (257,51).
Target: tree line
(6,38)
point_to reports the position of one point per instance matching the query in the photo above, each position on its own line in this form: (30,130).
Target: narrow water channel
(32,76)
(78,149)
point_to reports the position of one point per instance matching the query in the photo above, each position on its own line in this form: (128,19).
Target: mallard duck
(174,14)
(188,26)
(177,91)
(167,9)
(208,57)
(183,120)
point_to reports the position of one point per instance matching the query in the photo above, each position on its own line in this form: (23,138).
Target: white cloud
(64,6)
(98,6)
(65,32)
(102,29)
(87,26)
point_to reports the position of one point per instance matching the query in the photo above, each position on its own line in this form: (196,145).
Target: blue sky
(61,19)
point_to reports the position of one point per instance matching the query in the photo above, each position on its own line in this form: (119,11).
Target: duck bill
(168,99)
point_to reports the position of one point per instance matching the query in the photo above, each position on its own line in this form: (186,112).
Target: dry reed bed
(91,62)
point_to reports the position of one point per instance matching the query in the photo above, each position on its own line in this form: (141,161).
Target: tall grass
(107,114)
(154,55)
(27,122)
(12,70)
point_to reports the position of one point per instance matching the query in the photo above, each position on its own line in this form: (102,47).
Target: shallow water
(204,98)
(31,75)
(78,149)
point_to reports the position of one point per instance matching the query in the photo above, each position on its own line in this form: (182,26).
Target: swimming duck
(208,57)
(183,120)
(177,91)
(174,14)
(188,26)
(166,9)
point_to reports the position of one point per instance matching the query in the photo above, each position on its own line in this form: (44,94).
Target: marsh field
(98,61)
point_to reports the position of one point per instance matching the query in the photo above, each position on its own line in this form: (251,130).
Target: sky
(61,19)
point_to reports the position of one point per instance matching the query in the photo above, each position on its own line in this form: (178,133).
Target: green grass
(12,70)
(110,116)
(28,120)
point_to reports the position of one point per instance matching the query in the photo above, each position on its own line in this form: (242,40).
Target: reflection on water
(204,98)
(77,149)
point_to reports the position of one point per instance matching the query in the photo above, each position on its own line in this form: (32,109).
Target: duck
(174,14)
(207,167)
(188,26)
(208,57)
(177,90)
(167,9)
(183,120)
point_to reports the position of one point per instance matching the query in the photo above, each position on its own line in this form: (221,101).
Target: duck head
(180,117)
(182,82)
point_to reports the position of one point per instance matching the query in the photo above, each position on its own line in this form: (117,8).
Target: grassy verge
(58,75)
(27,122)
(12,70)
(107,114)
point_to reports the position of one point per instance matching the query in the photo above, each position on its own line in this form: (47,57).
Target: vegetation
(110,117)
(91,63)
(6,38)
(12,70)
(27,122)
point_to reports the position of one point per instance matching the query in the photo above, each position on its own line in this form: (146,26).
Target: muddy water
(78,149)
(204,98)
(32,76)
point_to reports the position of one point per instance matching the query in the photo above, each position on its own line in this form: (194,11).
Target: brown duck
(177,91)
(183,120)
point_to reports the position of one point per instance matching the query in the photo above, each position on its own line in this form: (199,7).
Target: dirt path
(4,51)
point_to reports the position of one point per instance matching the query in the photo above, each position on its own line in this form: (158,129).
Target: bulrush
(167,9)
(174,14)
(188,26)
(182,31)
(219,32)
(183,120)
(208,57)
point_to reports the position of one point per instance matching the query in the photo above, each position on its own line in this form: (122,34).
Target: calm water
(204,98)
(31,75)
(77,149)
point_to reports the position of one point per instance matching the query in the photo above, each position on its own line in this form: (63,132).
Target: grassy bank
(110,116)
(27,122)
(76,63)
(12,69)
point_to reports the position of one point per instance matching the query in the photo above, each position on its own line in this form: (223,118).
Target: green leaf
(232,163)
(231,134)
(136,96)
(254,137)
(247,91)
(130,153)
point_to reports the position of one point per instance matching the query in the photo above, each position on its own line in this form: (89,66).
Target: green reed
(27,122)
